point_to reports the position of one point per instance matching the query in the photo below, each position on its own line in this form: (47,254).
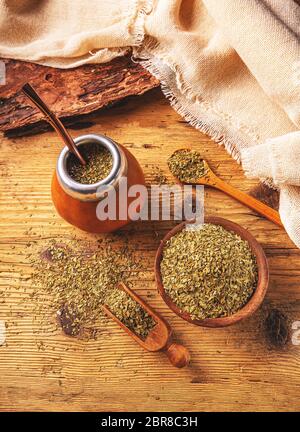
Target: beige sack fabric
(230,67)
(68,33)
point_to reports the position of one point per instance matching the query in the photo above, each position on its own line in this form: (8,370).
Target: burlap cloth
(229,67)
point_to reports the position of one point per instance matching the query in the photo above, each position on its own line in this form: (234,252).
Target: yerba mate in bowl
(211,275)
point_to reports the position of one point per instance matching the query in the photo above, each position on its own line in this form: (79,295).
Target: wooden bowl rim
(262,284)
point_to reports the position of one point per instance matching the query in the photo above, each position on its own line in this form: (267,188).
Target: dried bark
(71,93)
(267,195)
(277,328)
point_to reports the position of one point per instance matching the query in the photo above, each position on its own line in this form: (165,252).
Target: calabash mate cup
(77,203)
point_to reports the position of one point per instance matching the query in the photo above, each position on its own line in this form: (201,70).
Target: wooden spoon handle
(248,200)
(178,355)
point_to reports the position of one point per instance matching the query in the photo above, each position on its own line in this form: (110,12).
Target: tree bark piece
(70,93)
(268,196)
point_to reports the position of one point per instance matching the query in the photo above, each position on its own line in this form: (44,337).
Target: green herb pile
(77,281)
(187,165)
(130,313)
(208,271)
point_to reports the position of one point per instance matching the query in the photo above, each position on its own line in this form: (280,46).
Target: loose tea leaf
(187,165)
(130,313)
(159,176)
(98,164)
(70,279)
(208,271)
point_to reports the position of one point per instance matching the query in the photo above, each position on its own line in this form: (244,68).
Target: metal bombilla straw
(51,118)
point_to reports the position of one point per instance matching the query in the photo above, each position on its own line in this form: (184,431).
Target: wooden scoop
(210,179)
(159,338)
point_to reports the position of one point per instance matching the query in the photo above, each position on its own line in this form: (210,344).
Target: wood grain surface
(251,366)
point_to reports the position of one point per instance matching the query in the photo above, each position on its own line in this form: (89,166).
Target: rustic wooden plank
(237,368)
(71,93)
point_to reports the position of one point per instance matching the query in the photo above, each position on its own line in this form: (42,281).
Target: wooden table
(235,368)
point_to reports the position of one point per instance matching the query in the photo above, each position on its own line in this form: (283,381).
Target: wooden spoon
(210,179)
(29,91)
(159,338)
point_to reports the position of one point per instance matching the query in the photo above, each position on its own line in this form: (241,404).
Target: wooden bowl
(256,299)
